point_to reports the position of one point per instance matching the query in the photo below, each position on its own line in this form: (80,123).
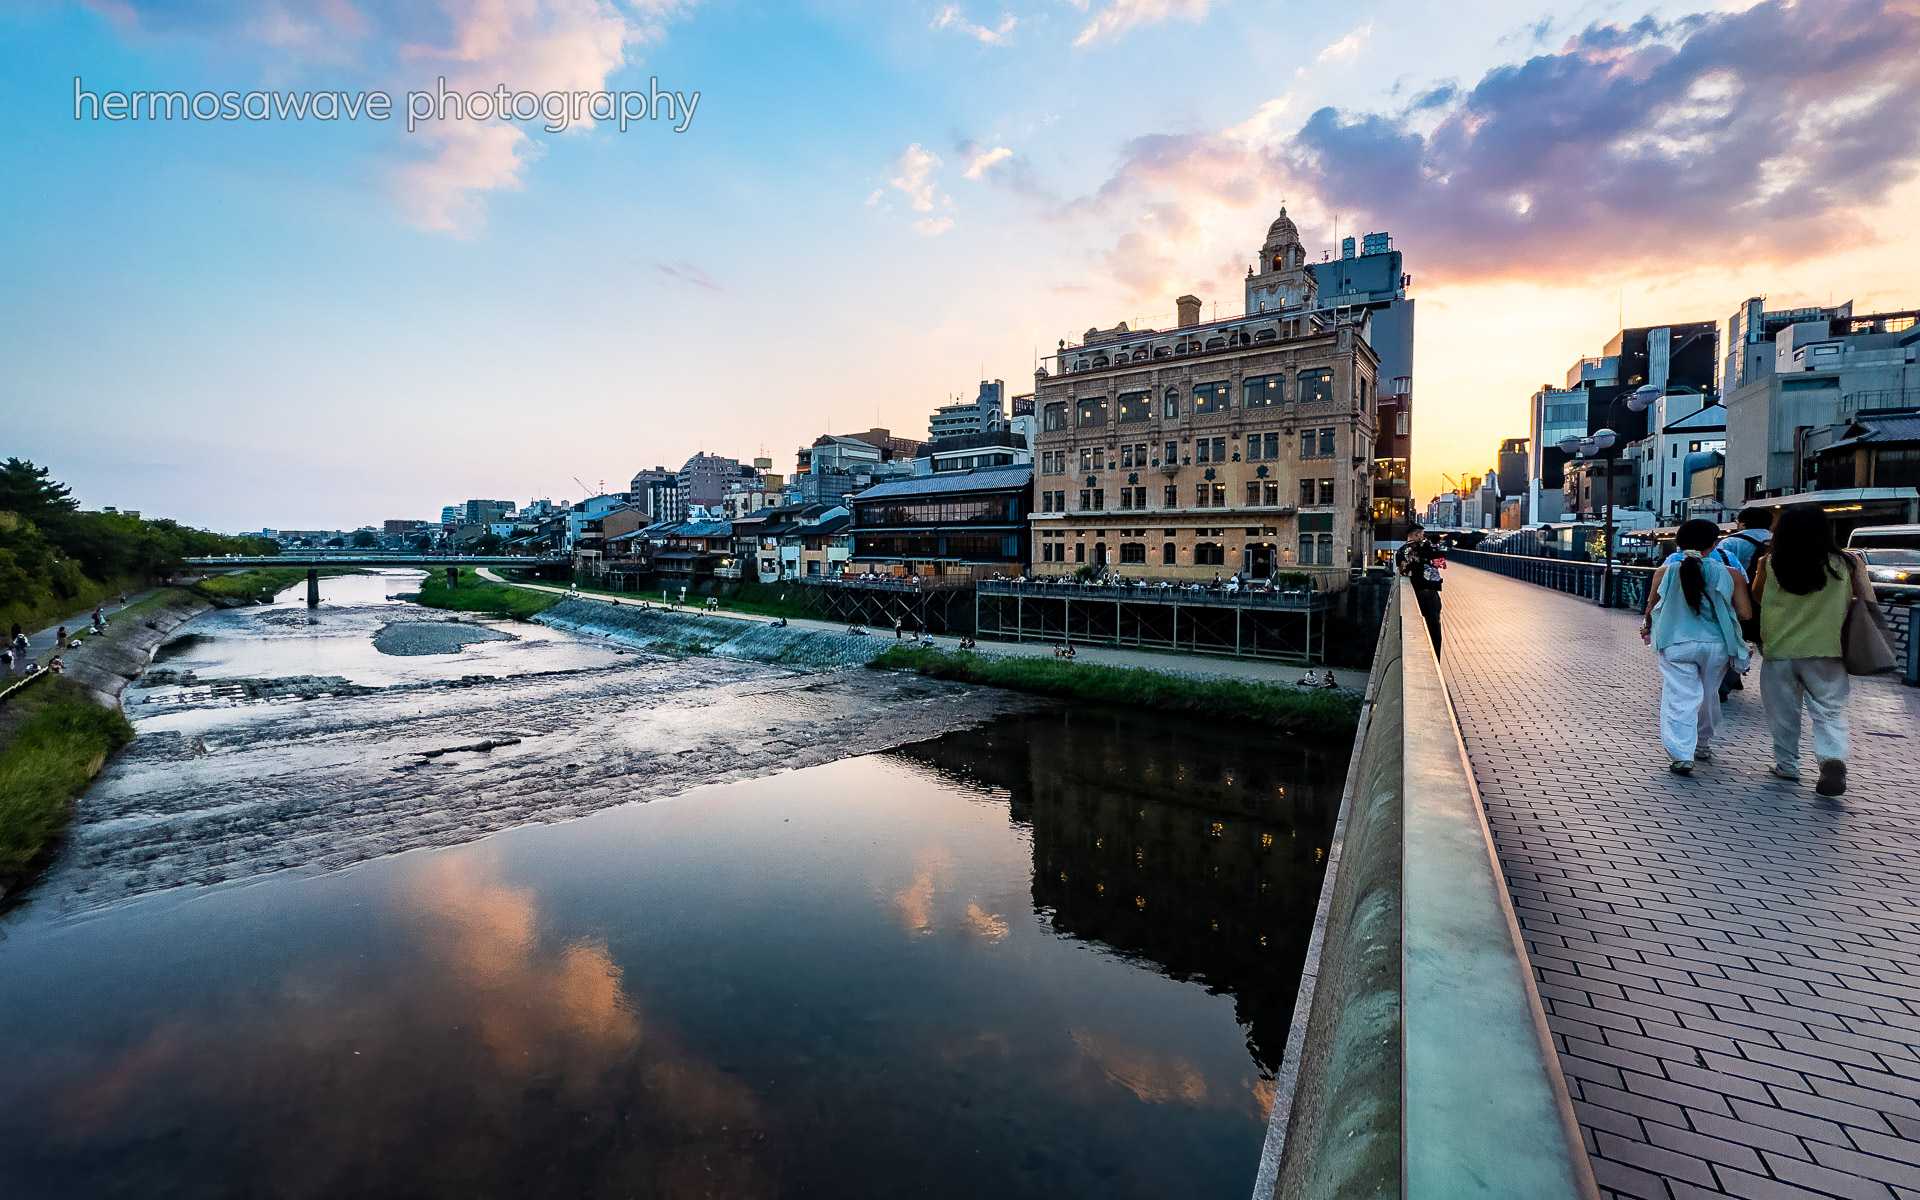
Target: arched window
(1171,404)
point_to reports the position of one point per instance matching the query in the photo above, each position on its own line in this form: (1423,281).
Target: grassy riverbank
(55,740)
(1293,710)
(260,583)
(474,594)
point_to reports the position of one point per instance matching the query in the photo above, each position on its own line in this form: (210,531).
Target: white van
(1885,537)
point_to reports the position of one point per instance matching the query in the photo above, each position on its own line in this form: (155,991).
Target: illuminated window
(1210,397)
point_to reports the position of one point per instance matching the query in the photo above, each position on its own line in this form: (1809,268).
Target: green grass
(258,583)
(1294,710)
(474,594)
(61,740)
(46,609)
(756,599)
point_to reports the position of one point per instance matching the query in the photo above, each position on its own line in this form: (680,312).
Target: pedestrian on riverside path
(1694,609)
(1421,561)
(1802,586)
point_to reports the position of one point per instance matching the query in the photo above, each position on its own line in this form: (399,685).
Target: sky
(871,206)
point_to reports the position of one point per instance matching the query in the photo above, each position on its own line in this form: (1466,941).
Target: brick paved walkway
(1730,965)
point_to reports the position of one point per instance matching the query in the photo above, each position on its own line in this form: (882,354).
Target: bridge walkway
(1730,965)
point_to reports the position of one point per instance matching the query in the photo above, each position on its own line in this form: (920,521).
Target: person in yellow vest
(1802,586)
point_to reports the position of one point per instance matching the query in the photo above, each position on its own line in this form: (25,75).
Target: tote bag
(1866,644)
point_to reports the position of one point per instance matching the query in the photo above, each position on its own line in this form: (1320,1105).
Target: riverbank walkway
(1192,665)
(1730,965)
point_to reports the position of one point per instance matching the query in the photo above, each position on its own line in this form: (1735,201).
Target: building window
(1316,387)
(1100,496)
(1326,491)
(1167,554)
(1401,422)
(1133,408)
(1253,494)
(1306,549)
(1219,449)
(1209,554)
(1306,493)
(1172,457)
(1210,397)
(1046,501)
(1202,450)
(1219,495)
(1126,498)
(1326,443)
(1055,417)
(1140,497)
(1170,404)
(1201,493)
(1272,493)
(1093,411)
(1060,501)
(1309,443)
(1324,543)
(1086,499)
(1133,552)
(1087,461)
(1262,391)
(1079,552)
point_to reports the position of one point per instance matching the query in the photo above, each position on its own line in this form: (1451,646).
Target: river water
(706,929)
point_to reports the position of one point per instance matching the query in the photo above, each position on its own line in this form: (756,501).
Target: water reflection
(1193,848)
(957,970)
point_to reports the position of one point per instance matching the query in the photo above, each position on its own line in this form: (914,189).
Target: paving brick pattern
(1730,965)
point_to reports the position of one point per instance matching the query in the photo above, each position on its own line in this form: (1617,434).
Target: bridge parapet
(1419,1063)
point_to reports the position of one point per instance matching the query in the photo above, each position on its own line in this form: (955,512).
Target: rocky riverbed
(235,774)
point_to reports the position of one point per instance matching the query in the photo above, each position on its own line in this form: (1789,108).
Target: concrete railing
(1419,1064)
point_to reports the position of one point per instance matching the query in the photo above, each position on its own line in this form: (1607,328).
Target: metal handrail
(1627,587)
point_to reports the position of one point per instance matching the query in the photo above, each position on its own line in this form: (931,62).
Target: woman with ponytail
(1694,610)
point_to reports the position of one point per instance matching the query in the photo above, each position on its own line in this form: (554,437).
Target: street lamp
(1603,444)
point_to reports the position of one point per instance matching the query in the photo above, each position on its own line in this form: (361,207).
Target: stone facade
(1238,445)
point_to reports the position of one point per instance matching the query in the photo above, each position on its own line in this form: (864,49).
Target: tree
(365,539)
(336,543)
(489,544)
(423,543)
(25,489)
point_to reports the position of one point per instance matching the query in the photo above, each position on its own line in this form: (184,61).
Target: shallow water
(1049,956)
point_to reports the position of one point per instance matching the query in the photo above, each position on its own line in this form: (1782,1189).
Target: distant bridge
(363,558)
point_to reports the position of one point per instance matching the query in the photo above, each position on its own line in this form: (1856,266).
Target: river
(697,928)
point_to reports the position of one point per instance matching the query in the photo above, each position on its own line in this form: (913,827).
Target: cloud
(914,176)
(400,45)
(985,159)
(1713,138)
(1717,138)
(933,226)
(1347,48)
(686,272)
(952,18)
(1122,15)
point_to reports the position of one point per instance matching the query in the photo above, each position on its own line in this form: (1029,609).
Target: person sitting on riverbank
(1330,682)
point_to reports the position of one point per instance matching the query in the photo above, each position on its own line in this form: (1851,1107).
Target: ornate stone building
(1239,445)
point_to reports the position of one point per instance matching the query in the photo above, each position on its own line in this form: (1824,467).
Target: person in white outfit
(1694,610)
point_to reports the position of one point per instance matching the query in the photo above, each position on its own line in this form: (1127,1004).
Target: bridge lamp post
(1605,444)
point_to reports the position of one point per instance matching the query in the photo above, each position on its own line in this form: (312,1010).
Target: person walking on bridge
(1803,585)
(1694,609)
(1421,561)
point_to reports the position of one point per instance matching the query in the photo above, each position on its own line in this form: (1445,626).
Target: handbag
(1866,644)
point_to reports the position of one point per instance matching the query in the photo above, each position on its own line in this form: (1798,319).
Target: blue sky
(315,323)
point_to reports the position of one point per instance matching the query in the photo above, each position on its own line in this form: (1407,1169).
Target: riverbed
(685,927)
